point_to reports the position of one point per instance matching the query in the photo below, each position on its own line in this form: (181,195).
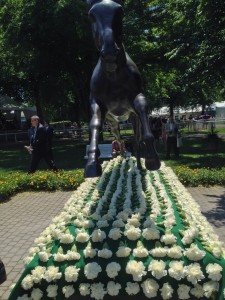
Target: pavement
(26,215)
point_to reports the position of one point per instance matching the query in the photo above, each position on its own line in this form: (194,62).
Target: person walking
(171,137)
(38,147)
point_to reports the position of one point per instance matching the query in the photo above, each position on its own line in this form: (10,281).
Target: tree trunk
(39,109)
(203,109)
(171,108)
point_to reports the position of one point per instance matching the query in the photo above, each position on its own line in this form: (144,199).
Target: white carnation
(166,291)
(175,252)
(112,269)
(71,274)
(44,256)
(113,288)
(157,268)
(140,251)
(123,251)
(52,273)
(38,274)
(68,290)
(66,238)
(183,291)
(118,223)
(27,282)
(72,255)
(59,257)
(97,291)
(151,234)
(210,287)
(52,290)
(98,235)
(24,297)
(82,236)
(132,233)
(197,291)
(84,289)
(102,223)
(158,252)
(194,253)
(176,270)
(105,253)
(89,251)
(194,273)
(115,234)
(132,288)
(168,239)
(91,270)
(214,271)
(150,288)
(136,269)
(36,294)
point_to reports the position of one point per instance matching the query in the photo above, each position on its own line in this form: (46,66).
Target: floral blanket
(128,233)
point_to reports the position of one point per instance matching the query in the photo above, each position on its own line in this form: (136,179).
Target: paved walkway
(22,219)
(26,215)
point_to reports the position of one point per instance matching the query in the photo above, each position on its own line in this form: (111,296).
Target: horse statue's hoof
(152,164)
(93,169)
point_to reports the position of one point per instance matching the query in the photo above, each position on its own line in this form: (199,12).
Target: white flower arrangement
(130,224)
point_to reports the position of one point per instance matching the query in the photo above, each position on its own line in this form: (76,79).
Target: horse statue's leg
(93,167)
(152,161)
(138,137)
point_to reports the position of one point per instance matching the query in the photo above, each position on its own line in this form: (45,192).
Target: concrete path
(22,219)
(212,203)
(26,215)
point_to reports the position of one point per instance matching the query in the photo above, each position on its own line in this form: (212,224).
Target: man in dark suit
(39,146)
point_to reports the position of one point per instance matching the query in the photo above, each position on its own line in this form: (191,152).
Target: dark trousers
(37,156)
(171,142)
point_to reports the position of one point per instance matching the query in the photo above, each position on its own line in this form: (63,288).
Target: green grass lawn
(68,155)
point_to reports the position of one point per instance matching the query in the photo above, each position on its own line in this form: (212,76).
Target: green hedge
(14,182)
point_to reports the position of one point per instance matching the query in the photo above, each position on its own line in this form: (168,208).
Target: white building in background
(217,109)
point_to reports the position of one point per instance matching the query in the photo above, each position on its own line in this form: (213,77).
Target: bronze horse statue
(116,91)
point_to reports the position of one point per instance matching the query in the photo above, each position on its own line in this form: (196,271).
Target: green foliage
(200,176)
(14,182)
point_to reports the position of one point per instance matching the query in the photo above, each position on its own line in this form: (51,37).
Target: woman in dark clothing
(2,272)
